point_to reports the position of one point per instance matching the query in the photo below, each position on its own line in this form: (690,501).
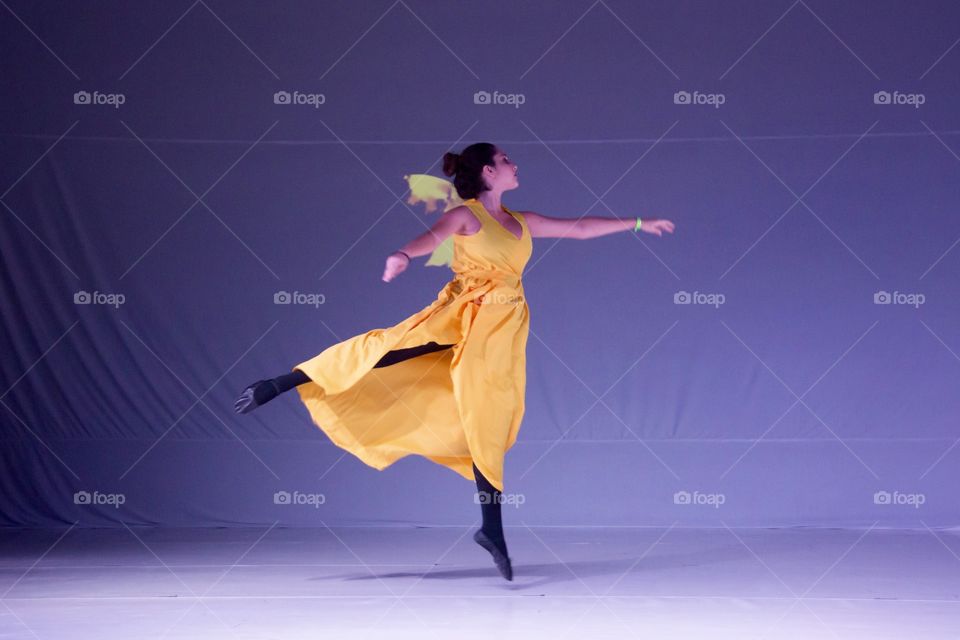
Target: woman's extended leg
(490,534)
(263,391)
(399,355)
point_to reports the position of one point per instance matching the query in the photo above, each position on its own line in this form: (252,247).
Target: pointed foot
(247,401)
(500,558)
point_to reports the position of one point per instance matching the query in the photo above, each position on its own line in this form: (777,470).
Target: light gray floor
(437,583)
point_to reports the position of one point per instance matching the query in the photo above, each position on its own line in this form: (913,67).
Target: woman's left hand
(656,227)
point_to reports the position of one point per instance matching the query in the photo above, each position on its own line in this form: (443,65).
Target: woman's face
(502,176)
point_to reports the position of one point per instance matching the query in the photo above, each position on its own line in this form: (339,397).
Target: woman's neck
(490,201)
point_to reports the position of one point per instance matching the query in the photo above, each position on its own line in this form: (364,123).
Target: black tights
(490,500)
(269,389)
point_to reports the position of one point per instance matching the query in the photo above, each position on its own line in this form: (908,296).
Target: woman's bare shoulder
(464,219)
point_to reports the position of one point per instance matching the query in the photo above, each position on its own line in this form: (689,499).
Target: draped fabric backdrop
(789,356)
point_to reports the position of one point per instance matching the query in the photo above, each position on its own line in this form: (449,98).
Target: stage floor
(407,582)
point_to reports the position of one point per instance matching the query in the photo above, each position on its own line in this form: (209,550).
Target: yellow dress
(458,406)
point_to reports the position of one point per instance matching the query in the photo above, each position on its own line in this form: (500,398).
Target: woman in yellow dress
(448,382)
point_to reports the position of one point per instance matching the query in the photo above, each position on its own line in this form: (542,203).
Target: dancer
(447,383)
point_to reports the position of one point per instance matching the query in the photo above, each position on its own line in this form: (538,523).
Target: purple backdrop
(789,356)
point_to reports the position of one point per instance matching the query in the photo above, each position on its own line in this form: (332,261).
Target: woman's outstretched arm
(450,222)
(542,226)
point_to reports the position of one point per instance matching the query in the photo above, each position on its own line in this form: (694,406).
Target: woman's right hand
(396,264)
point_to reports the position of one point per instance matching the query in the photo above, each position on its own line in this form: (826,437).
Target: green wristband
(639,222)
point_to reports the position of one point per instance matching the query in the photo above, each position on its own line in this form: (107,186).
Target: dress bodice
(493,251)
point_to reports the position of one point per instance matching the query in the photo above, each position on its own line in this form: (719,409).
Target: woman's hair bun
(451,162)
(468,166)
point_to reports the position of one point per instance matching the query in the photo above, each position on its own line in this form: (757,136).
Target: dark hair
(467,168)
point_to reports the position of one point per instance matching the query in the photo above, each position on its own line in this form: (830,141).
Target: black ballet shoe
(501,559)
(255,395)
